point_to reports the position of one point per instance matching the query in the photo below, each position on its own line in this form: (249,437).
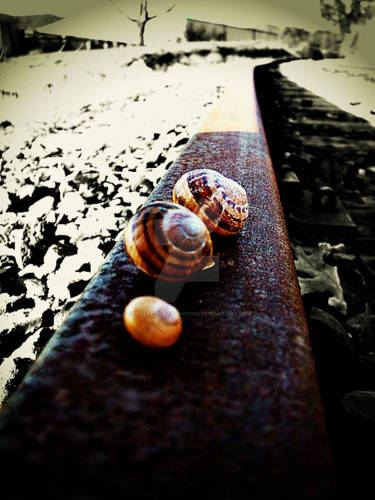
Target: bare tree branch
(118,8)
(147,17)
(143,7)
(170,8)
(143,18)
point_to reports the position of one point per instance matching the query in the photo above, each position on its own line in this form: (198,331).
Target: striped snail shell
(219,201)
(152,321)
(168,240)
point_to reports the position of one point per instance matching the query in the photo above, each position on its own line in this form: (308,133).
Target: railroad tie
(231,412)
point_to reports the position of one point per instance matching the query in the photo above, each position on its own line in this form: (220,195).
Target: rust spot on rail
(232,411)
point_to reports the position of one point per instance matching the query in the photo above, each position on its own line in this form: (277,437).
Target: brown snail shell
(167,240)
(219,201)
(152,321)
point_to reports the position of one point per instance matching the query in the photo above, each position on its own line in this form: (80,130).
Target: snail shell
(220,202)
(168,240)
(152,321)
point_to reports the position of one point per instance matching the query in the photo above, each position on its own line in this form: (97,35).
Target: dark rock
(77,287)
(5,124)
(160,158)
(368,359)
(145,187)
(367,266)
(89,177)
(181,141)
(48,318)
(370,172)
(7,262)
(290,186)
(324,199)
(360,403)
(86,267)
(37,238)
(21,303)
(44,335)
(341,258)
(354,289)
(307,103)
(22,205)
(65,247)
(324,324)
(68,305)
(11,284)
(351,197)
(22,367)
(352,281)
(12,340)
(318,299)
(105,246)
(362,328)
(159,60)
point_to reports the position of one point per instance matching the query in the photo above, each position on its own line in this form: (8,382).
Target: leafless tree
(143,18)
(346,14)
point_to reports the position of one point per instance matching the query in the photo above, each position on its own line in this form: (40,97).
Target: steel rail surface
(232,411)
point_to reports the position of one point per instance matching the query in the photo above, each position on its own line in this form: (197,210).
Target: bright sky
(238,12)
(100,19)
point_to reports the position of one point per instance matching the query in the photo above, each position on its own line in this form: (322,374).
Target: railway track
(315,145)
(233,409)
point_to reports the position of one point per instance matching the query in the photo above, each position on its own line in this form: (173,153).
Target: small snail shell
(220,202)
(168,240)
(152,321)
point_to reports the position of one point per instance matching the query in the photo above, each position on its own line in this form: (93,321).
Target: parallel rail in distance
(233,410)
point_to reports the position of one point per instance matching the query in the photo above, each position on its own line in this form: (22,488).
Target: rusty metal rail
(233,411)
